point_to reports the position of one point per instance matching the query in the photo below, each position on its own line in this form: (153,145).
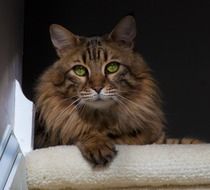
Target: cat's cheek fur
(79,79)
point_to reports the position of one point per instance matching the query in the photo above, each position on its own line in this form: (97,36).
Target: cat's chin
(99,104)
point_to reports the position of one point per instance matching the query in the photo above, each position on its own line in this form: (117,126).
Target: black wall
(173,36)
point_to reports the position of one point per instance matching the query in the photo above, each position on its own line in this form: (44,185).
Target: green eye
(112,67)
(80,70)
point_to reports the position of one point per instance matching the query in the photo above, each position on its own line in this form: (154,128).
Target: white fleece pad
(148,166)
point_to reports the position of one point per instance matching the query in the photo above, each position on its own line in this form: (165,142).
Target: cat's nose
(98,89)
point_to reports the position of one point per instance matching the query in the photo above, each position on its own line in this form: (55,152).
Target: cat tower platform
(151,167)
(145,167)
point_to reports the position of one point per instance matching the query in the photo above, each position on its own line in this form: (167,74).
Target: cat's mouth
(99,101)
(98,98)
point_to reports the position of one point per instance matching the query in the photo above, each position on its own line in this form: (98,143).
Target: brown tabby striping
(99,93)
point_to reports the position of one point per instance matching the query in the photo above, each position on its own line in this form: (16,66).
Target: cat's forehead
(92,42)
(94,50)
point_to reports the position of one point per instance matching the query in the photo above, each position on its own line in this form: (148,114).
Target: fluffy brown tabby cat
(99,93)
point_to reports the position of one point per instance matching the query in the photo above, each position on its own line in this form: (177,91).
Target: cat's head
(98,71)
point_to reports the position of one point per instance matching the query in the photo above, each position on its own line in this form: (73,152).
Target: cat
(99,93)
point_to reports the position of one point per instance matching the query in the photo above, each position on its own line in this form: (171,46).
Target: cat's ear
(62,39)
(124,32)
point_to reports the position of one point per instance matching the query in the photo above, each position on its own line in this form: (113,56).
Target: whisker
(129,101)
(67,108)
(87,96)
(129,112)
(127,91)
(126,107)
(84,92)
(110,94)
(82,110)
(144,107)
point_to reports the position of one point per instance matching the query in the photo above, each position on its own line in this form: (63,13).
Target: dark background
(173,37)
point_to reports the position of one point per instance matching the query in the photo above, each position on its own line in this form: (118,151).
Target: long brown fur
(132,115)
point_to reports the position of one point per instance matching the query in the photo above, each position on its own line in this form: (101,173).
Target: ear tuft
(62,39)
(124,32)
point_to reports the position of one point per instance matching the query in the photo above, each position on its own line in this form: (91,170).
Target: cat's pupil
(80,70)
(112,67)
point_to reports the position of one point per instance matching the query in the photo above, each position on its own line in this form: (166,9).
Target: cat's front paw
(99,153)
